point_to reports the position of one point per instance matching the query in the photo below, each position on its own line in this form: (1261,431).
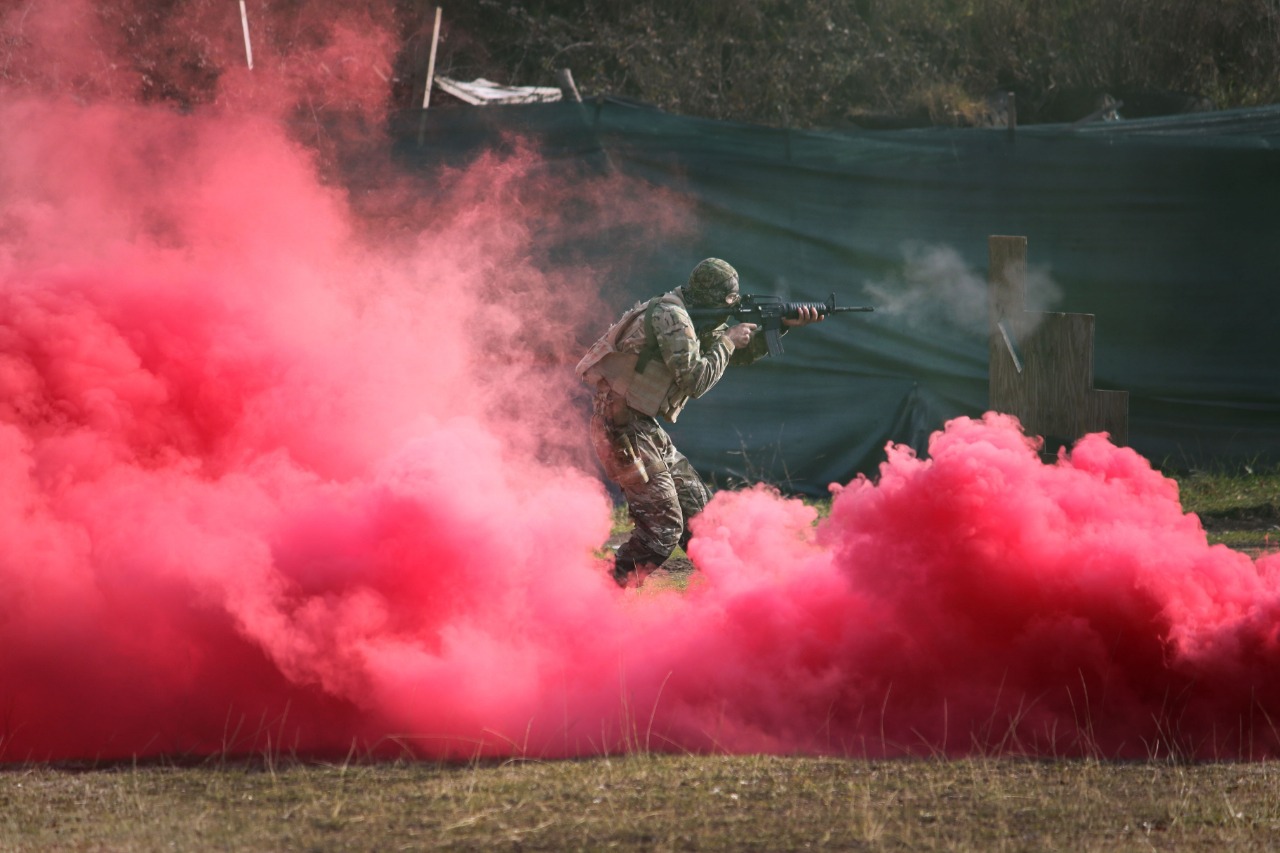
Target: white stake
(244,22)
(431,63)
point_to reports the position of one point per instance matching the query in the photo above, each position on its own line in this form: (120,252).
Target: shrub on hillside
(811,63)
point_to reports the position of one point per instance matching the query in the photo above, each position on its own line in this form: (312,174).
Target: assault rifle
(768,312)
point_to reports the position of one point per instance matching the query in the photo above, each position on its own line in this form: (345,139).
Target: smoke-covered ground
(288,465)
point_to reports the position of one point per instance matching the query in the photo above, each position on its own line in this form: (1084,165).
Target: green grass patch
(1239,509)
(1243,494)
(620,522)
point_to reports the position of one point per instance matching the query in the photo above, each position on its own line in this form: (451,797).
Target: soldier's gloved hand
(740,335)
(808,314)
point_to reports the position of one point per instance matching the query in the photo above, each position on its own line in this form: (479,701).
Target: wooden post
(1041,364)
(431,74)
(1006,272)
(568,90)
(244,24)
(431,63)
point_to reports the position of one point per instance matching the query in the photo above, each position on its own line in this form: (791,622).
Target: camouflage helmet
(712,283)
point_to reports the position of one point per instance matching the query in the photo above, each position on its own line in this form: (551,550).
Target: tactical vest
(641,378)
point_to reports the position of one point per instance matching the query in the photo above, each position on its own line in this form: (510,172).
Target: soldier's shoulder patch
(669,318)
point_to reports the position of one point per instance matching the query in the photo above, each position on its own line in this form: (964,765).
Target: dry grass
(647,802)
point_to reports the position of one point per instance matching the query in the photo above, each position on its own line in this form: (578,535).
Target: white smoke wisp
(936,288)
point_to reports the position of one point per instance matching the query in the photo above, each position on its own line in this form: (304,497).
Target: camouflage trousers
(663,491)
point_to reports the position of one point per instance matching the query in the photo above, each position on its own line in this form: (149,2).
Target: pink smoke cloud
(980,599)
(291,465)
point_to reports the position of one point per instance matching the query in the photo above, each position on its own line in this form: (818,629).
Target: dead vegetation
(807,63)
(796,63)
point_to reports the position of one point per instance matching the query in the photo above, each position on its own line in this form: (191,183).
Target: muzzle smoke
(937,289)
(271,481)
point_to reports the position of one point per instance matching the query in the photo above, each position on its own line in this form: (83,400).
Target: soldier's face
(733,296)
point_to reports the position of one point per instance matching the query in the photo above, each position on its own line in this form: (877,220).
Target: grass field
(675,802)
(645,802)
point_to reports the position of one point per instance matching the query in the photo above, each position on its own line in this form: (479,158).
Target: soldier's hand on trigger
(740,334)
(808,314)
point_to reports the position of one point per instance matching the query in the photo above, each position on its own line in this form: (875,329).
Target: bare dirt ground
(677,564)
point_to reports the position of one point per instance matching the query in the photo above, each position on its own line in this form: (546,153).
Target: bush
(811,63)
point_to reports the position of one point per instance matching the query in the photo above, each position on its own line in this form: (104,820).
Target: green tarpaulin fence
(1165,229)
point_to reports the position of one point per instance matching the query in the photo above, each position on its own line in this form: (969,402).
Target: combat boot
(627,568)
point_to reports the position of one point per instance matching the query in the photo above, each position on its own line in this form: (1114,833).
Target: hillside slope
(805,63)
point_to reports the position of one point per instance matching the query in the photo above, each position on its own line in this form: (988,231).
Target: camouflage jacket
(685,365)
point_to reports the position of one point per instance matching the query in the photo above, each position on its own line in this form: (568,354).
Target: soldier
(648,365)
